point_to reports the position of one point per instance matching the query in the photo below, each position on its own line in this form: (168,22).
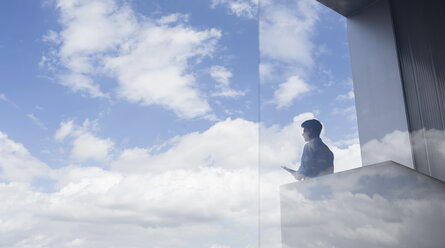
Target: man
(317,159)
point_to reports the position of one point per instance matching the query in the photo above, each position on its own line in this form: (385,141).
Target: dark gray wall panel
(420,34)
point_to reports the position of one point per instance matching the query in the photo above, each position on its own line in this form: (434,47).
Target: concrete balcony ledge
(380,205)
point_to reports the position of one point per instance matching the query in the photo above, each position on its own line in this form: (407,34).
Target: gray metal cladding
(379,97)
(420,35)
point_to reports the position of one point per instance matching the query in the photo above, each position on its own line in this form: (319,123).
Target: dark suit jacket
(317,159)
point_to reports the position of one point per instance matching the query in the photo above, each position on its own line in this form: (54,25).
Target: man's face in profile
(307,134)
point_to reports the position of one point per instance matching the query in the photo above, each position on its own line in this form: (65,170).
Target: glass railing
(380,205)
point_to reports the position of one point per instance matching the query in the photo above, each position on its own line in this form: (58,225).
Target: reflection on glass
(305,73)
(382,205)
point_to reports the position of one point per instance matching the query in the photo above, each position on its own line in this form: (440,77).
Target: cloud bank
(202,185)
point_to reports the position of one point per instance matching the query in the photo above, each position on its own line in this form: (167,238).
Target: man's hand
(298,176)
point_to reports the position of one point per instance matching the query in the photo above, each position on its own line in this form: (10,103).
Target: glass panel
(128,123)
(305,73)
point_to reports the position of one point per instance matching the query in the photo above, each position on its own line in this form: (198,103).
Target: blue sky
(141,117)
(128,123)
(323,68)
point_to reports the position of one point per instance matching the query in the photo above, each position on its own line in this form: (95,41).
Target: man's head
(311,129)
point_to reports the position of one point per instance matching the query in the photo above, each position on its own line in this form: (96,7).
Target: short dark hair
(314,126)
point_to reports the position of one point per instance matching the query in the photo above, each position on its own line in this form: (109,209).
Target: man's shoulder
(318,144)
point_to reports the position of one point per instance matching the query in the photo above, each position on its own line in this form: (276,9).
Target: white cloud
(347,141)
(162,206)
(347,158)
(155,196)
(289,90)
(229,144)
(75,242)
(173,18)
(436,146)
(394,146)
(81,83)
(85,145)
(286,31)
(241,8)
(222,75)
(51,36)
(66,128)
(266,70)
(155,73)
(3,97)
(36,121)
(16,164)
(149,58)
(348,96)
(350,112)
